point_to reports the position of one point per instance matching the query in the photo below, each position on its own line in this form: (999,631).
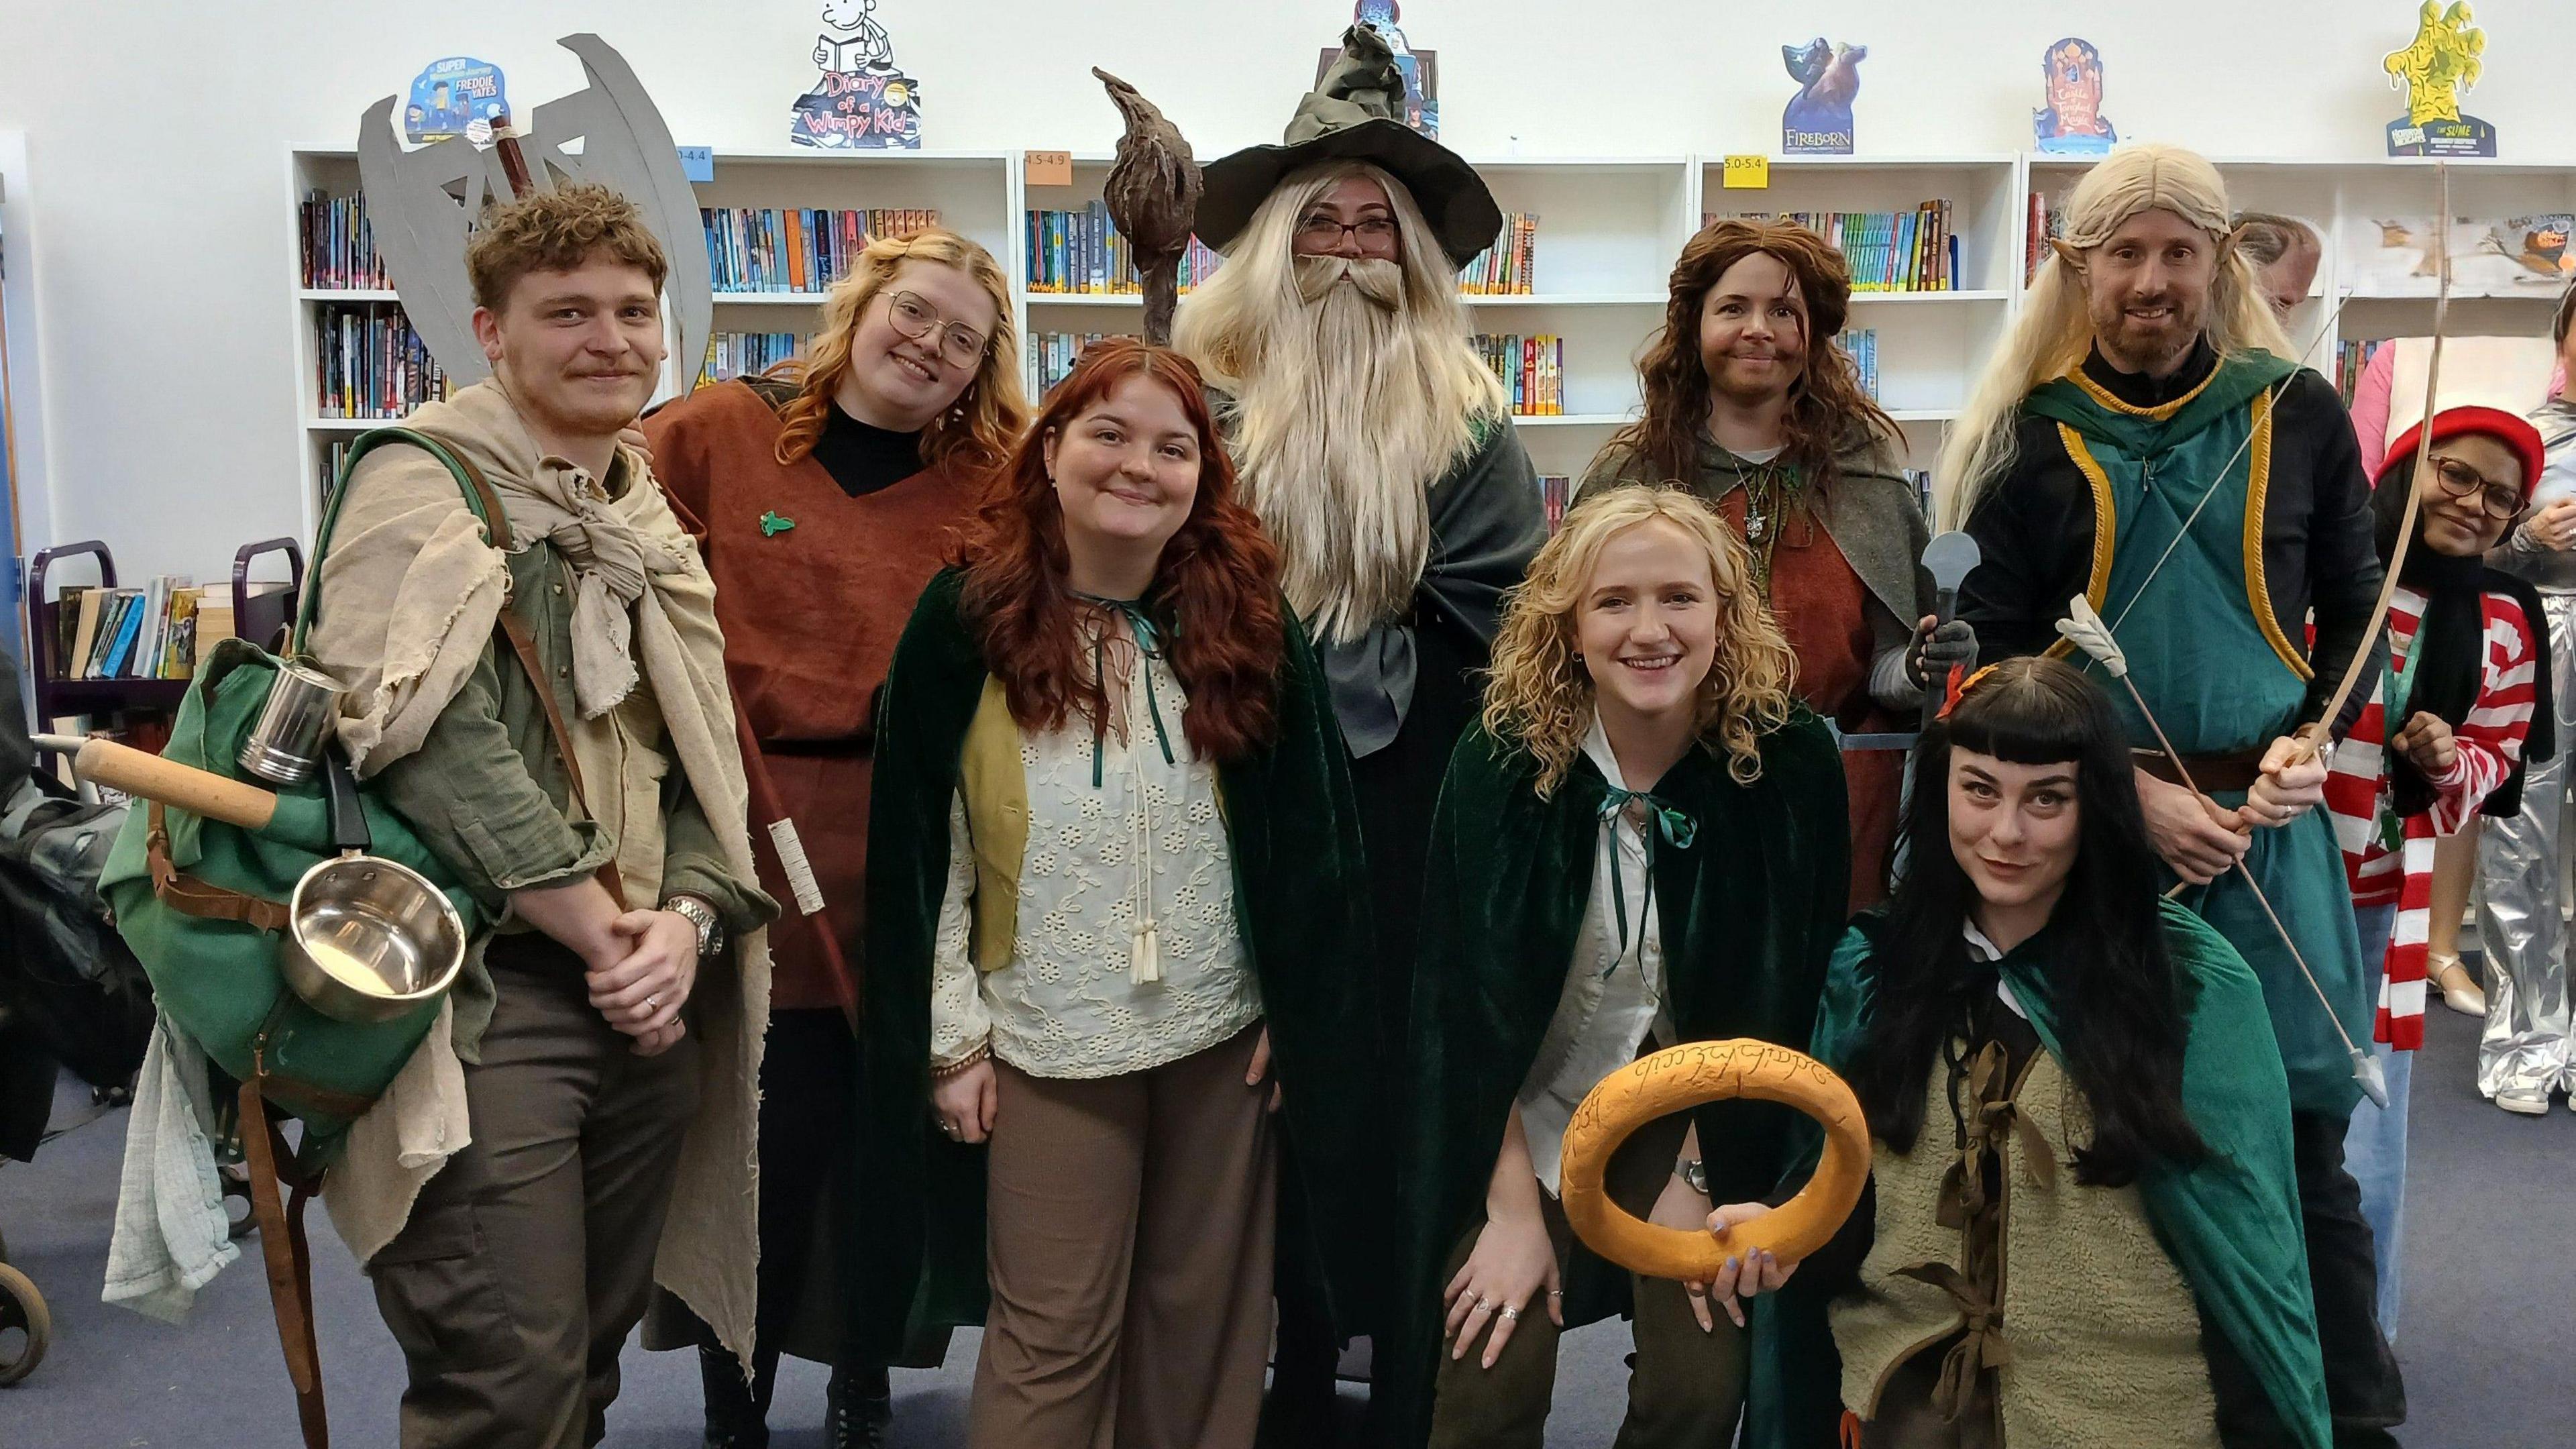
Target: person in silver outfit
(2528,1048)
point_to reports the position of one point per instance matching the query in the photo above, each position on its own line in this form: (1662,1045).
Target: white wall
(163,236)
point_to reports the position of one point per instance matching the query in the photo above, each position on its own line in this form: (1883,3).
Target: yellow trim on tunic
(2258,481)
(2106,523)
(2159,412)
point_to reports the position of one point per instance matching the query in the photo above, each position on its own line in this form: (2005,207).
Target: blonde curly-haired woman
(1641,843)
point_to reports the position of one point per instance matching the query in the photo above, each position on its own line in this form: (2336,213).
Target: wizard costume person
(2145,441)
(1093,939)
(1378,451)
(824,496)
(1577,916)
(2081,1226)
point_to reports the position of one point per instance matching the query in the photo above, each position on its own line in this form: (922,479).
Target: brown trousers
(528,1258)
(1685,1385)
(1129,1232)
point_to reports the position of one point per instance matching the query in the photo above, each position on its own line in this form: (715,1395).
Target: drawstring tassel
(1145,955)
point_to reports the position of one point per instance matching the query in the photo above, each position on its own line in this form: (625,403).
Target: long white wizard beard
(1338,432)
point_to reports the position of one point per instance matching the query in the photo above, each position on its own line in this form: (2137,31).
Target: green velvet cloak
(2230,1223)
(1293,831)
(1748,914)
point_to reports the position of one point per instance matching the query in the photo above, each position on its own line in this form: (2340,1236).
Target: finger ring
(948,1127)
(1556,1293)
(1485,1304)
(1511,1315)
(652,1003)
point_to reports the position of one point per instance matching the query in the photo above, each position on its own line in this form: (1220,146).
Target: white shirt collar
(1984,950)
(1596,744)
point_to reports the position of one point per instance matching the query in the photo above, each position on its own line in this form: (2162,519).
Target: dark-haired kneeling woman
(2082,1227)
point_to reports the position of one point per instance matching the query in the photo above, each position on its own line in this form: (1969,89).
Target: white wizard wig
(1339,414)
(2053,331)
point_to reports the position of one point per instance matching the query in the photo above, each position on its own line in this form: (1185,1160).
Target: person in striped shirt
(2442,737)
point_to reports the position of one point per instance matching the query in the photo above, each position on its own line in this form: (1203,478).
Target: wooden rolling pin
(184,787)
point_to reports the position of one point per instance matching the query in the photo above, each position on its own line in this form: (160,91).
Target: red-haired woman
(824,494)
(1114,913)
(1752,405)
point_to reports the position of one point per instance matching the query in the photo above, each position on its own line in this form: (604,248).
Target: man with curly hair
(543,698)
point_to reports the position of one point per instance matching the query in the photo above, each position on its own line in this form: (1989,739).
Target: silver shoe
(2524,1101)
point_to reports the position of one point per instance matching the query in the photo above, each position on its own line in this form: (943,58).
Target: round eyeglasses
(959,344)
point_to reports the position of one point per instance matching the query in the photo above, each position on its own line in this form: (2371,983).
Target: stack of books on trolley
(368,363)
(1555,494)
(150,633)
(339,248)
(747,354)
(1080,253)
(1887,251)
(1052,355)
(796,249)
(1532,370)
(1508,268)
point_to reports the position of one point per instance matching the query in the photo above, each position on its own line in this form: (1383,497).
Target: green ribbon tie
(1677,829)
(1149,643)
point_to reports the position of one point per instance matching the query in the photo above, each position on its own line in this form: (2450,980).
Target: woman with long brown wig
(823,495)
(1115,919)
(1751,404)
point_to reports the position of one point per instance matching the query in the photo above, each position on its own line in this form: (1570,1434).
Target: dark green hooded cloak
(1749,915)
(1299,897)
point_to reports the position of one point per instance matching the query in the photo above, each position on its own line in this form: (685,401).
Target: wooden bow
(2313,738)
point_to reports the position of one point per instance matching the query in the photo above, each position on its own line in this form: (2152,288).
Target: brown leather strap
(2215,774)
(524,644)
(190,896)
(289,1260)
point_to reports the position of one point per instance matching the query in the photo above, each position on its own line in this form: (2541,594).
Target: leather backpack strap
(524,644)
(289,1260)
(190,896)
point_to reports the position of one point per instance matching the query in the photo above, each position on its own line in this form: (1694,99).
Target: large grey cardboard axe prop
(1949,558)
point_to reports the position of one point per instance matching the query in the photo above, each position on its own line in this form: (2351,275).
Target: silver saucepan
(367,939)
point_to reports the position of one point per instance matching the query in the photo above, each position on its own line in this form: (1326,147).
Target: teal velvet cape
(2230,1223)
(1748,916)
(1300,900)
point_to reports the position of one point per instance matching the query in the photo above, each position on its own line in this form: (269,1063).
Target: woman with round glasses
(824,493)
(2444,736)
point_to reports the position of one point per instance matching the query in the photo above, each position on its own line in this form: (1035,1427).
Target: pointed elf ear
(2071,257)
(2227,244)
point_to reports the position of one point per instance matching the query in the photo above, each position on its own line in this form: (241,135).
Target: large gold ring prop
(1687,1076)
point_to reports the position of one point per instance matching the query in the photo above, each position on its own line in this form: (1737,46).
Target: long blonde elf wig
(972,437)
(1540,694)
(1337,434)
(2052,333)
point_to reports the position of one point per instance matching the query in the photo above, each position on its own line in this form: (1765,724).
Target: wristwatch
(1693,1171)
(703,916)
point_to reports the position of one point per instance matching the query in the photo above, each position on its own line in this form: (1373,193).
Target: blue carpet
(2489,1317)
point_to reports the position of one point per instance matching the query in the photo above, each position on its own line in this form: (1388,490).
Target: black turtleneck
(863,458)
(2035,526)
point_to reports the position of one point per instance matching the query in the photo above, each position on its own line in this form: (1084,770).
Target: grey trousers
(529,1257)
(2530,1040)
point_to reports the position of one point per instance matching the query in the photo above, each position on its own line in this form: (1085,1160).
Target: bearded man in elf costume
(1379,452)
(2144,439)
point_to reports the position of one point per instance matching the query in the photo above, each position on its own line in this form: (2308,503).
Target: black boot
(859,1404)
(734,1417)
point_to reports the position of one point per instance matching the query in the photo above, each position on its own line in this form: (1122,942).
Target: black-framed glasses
(1320,233)
(2500,501)
(959,344)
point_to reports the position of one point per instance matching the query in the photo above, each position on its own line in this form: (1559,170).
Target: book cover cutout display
(1818,120)
(862,101)
(2072,123)
(2445,59)
(456,96)
(1419,68)
(425,200)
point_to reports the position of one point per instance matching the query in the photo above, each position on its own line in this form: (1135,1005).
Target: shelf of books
(1940,247)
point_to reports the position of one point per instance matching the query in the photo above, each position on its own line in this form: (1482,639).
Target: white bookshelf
(1609,231)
